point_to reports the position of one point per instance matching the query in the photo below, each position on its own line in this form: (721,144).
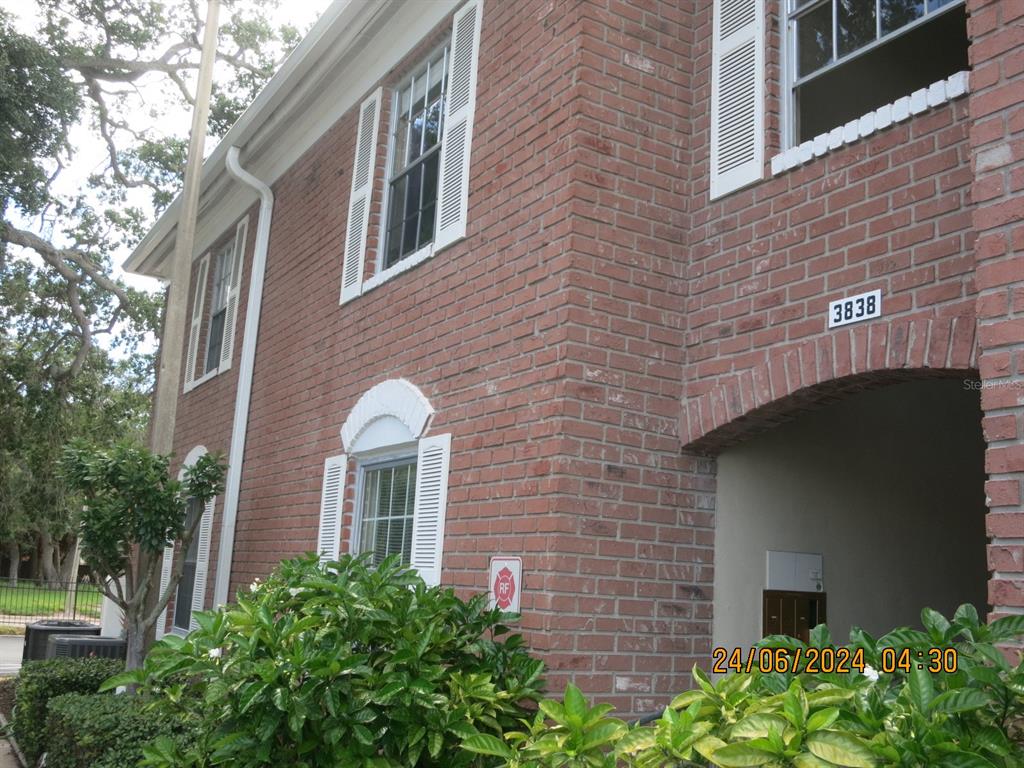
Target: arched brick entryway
(811,374)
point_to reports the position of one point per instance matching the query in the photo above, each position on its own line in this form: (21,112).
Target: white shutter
(329,534)
(363,168)
(737,95)
(227,347)
(202,562)
(165,579)
(460,105)
(431,497)
(197,320)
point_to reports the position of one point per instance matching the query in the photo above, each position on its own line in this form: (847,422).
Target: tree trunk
(48,548)
(69,563)
(136,638)
(14,561)
(33,562)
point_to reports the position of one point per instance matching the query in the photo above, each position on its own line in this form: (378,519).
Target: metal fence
(27,600)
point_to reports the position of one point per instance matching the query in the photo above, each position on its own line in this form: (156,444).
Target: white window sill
(405,264)
(189,386)
(902,109)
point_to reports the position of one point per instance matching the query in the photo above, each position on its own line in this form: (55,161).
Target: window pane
(215,341)
(183,594)
(419,91)
(183,597)
(432,127)
(417,135)
(898,13)
(412,208)
(396,535)
(396,507)
(430,166)
(380,542)
(856,24)
(400,138)
(814,40)
(220,278)
(914,59)
(407,542)
(387,511)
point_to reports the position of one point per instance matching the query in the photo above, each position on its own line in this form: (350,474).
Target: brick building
(707,311)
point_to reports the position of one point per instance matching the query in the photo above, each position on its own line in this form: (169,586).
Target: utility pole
(168,380)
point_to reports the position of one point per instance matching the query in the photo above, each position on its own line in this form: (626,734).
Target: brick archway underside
(812,374)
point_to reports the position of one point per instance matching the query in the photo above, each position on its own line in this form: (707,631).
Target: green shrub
(103,730)
(890,711)
(40,681)
(340,665)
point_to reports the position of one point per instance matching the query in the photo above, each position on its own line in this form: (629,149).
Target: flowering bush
(339,665)
(904,716)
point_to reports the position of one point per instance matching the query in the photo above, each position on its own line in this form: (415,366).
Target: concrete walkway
(10,655)
(10,662)
(7,758)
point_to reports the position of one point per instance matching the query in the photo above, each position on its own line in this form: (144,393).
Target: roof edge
(340,15)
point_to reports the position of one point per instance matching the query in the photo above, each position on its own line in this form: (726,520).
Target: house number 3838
(853,309)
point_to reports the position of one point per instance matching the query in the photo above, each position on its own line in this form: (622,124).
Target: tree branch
(176,570)
(56,257)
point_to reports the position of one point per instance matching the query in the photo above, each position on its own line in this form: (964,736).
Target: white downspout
(240,423)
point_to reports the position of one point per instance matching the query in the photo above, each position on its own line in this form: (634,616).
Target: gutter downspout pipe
(240,423)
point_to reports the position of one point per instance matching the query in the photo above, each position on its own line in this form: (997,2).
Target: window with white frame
(190,591)
(401,481)
(417,129)
(219,316)
(848,57)
(386,505)
(184,596)
(427,174)
(218,306)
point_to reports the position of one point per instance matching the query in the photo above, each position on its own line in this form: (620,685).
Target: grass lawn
(29,599)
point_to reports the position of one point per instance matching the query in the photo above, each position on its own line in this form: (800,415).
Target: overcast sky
(90,151)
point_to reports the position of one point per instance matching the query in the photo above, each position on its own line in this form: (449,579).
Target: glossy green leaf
(922,687)
(485,744)
(959,700)
(841,749)
(740,756)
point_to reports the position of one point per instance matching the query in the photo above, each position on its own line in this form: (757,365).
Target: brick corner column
(996,30)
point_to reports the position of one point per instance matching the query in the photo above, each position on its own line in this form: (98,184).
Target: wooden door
(791,613)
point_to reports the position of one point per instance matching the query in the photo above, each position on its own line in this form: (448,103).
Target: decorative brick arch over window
(811,374)
(393,399)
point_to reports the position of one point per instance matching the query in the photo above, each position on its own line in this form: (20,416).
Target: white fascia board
(339,14)
(353,45)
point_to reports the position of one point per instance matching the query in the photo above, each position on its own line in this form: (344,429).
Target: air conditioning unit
(85,646)
(37,634)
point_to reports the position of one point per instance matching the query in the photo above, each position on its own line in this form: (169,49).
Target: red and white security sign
(506,583)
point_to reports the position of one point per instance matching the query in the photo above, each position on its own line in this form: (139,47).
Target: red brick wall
(597,290)
(548,342)
(892,211)
(997,142)
(633,598)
